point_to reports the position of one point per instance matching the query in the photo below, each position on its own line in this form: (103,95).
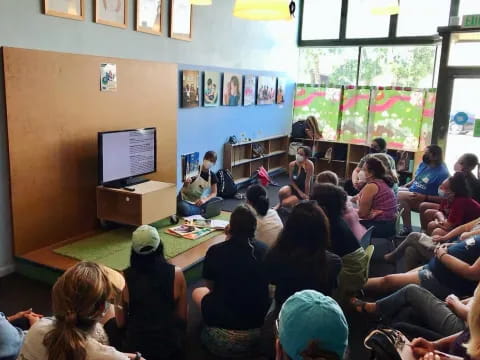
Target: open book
(189,231)
(201,222)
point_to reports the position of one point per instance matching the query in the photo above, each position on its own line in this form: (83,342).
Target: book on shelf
(190,165)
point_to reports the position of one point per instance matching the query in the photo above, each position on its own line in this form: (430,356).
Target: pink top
(353,221)
(385,201)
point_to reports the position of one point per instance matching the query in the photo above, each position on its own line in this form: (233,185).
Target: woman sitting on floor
(81,297)
(153,309)
(456,208)
(455,269)
(269,224)
(377,205)
(301,171)
(353,276)
(236,293)
(419,248)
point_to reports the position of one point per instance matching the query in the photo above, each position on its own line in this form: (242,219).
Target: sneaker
(404,232)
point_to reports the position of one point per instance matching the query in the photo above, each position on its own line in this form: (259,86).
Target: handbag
(388,344)
(293,148)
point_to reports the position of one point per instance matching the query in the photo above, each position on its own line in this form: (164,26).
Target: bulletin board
(54,111)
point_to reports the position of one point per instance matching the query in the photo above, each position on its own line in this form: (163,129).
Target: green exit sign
(471,21)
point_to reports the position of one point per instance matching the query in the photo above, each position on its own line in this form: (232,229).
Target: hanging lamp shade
(201,2)
(263,9)
(385,7)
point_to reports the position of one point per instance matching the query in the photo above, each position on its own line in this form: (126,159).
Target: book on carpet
(190,165)
(189,231)
(201,222)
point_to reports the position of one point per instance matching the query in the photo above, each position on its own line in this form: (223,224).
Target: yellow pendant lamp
(264,9)
(201,2)
(385,7)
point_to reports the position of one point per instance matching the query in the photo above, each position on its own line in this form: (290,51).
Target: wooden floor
(46,257)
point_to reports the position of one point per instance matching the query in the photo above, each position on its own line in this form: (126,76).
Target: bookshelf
(346,156)
(242,162)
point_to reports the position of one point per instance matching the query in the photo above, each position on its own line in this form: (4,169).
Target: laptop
(213,208)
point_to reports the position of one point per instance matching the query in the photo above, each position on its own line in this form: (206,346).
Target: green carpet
(112,248)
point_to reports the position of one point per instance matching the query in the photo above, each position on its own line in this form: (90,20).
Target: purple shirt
(384,200)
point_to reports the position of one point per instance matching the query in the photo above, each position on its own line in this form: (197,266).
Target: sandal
(359,305)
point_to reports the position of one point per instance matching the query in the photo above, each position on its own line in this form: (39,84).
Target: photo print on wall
(266,90)
(232,89)
(112,12)
(70,9)
(211,89)
(149,16)
(281,84)
(190,90)
(250,90)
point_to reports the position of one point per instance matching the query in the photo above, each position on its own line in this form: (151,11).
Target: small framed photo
(281,84)
(190,89)
(232,89)
(112,12)
(211,89)
(71,9)
(181,20)
(266,93)
(250,90)
(149,16)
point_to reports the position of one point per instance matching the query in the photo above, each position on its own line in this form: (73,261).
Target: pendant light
(201,2)
(264,9)
(385,7)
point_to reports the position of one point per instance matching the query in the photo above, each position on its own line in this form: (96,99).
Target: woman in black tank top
(301,172)
(154,305)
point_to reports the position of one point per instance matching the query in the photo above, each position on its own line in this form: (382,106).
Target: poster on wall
(108,77)
(111,12)
(211,89)
(396,115)
(250,90)
(427,119)
(266,90)
(181,20)
(281,84)
(149,16)
(232,89)
(323,103)
(354,115)
(190,91)
(71,9)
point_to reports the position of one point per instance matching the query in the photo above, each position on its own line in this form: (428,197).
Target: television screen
(126,154)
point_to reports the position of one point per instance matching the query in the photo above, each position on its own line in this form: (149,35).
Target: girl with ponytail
(269,224)
(81,299)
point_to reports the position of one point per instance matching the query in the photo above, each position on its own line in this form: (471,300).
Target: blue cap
(310,316)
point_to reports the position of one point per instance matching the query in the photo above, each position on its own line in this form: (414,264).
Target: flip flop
(359,305)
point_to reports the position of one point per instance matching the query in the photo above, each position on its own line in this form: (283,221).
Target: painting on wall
(281,84)
(181,20)
(211,89)
(354,115)
(266,90)
(71,9)
(112,12)
(190,91)
(149,16)
(249,91)
(232,89)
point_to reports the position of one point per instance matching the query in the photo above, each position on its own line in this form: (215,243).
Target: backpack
(226,187)
(299,129)
(388,344)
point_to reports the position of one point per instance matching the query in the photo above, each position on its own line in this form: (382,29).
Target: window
(397,66)
(335,65)
(465,49)
(321,19)
(469,7)
(361,23)
(422,17)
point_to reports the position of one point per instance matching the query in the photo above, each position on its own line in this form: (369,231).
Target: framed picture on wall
(249,91)
(149,16)
(190,89)
(266,90)
(181,20)
(211,89)
(281,83)
(232,89)
(71,9)
(112,12)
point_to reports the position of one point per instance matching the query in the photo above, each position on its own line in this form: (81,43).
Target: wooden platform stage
(46,265)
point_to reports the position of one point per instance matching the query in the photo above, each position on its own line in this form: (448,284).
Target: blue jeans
(184,208)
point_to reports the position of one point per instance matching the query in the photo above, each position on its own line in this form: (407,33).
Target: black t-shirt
(240,296)
(474,185)
(289,277)
(343,241)
(213,177)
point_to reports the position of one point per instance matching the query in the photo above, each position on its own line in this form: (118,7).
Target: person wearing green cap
(153,310)
(311,326)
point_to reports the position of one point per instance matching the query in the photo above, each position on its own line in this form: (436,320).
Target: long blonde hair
(473,346)
(78,299)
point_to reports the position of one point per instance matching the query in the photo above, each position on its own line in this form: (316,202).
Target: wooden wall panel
(54,110)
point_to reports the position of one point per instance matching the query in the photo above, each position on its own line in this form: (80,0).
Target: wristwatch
(138,356)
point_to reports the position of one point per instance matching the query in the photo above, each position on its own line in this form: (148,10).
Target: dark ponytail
(379,171)
(257,197)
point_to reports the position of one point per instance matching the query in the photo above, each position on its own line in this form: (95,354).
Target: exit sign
(471,21)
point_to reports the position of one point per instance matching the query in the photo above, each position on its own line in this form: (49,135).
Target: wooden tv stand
(151,201)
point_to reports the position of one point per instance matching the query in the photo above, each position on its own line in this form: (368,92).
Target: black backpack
(298,129)
(226,187)
(386,344)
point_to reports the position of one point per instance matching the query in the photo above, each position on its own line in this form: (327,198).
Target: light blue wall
(219,40)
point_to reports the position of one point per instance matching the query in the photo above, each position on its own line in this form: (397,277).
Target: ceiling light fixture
(201,2)
(385,7)
(264,9)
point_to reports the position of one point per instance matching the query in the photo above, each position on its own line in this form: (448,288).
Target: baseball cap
(311,316)
(145,240)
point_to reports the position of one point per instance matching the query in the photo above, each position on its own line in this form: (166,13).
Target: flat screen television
(125,155)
